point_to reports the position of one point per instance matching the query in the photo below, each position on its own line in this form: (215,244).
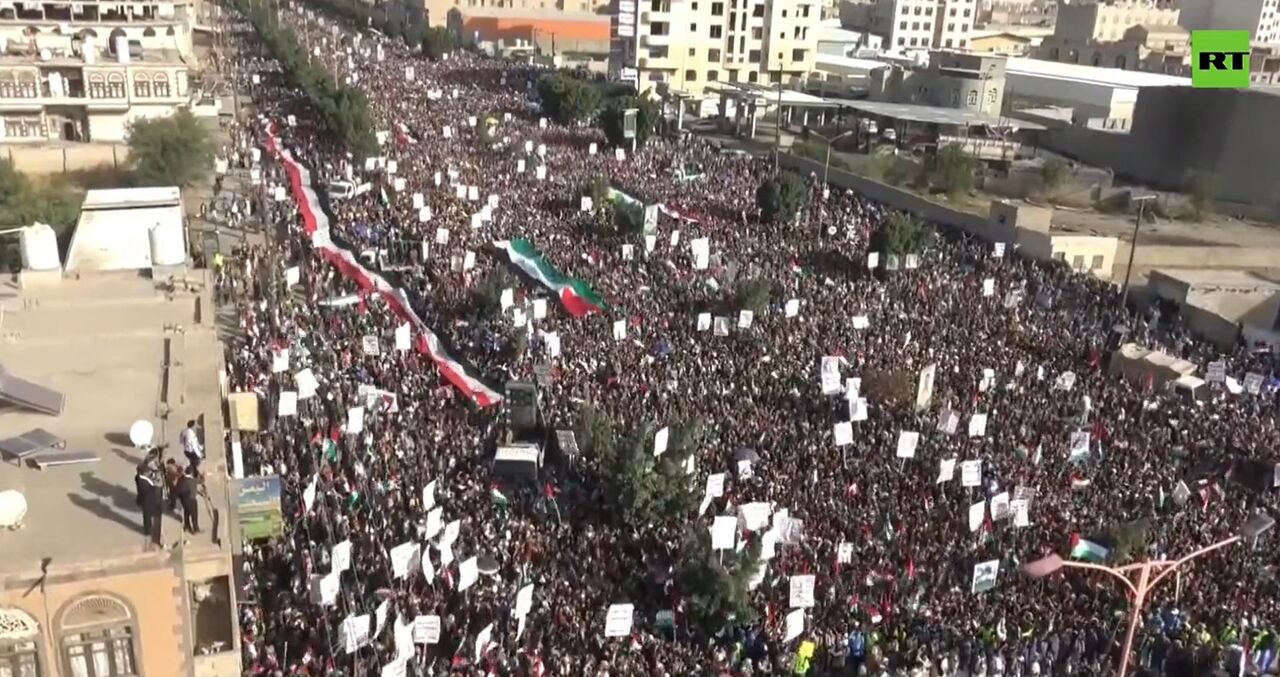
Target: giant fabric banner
(315,223)
(577,296)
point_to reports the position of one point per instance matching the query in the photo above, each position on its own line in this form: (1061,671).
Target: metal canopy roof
(932,114)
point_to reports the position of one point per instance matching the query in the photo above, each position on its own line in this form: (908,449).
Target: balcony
(650,16)
(656,40)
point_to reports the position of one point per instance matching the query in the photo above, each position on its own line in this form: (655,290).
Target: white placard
(288,404)
(946,470)
(1000,506)
(617,621)
(354,632)
(724,532)
(715,485)
(341,556)
(405,559)
(977,425)
(745,317)
(971,473)
(795,625)
(468,573)
(355,420)
(985,575)
(801,591)
(442,236)
(792,308)
(907,442)
(524,601)
(844,553)
(988,287)
(1021,509)
(660,441)
(861,322)
(592,149)
(873,260)
(435,522)
(843,432)
(541,172)
(619,330)
(704,321)
(402,338)
(754,516)
(280,361)
(720,326)
(292,276)
(369,343)
(426,630)
(977,512)
(628,252)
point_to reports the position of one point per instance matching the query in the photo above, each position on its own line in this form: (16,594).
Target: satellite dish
(141,432)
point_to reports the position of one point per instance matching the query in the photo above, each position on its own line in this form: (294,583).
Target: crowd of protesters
(889,540)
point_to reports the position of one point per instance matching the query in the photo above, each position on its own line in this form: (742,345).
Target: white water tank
(168,246)
(39,247)
(122,49)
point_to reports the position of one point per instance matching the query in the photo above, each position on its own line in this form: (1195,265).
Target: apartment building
(684,45)
(1018,12)
(82,71)
(554,26)
(924,24)
(1130,35)
(1260,17)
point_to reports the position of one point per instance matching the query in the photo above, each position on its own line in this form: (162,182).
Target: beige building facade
(1141,36)
(925,24)
(1260,17)
(84,71)
(686,45)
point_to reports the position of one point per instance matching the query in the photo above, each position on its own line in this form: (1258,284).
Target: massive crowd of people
(390,457)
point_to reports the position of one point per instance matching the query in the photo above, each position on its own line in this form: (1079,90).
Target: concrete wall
(150,588)
(63,159)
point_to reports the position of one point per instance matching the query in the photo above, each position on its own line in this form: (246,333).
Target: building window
(717,32)
(951,27)
(115,86)
(992,94)
(160,86)
(902,26)
(713,76)
(973,97)
(955,97)
(1120,62)
(797,55)
(1077,263)
(142,86)
(1097,263)
(915,25)
(753,76)
(691,76)
(713,55)
(717,9)
(97,637)
(753,56)
(947,42)
(19,659)
(902,42)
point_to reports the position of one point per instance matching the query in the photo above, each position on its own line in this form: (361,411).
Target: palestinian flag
(331,451)
(1087,550)
(577,296)
(499,499)
(405,135)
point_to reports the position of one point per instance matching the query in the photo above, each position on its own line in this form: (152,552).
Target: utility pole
(1133,249)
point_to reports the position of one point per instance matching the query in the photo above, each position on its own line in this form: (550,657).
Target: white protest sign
(429,495)
(704,321)
(354,632)
(280,361)
(483,640)
(1000,506)
(745,318)
(405,559)
(801,591)
(1021,509)
(619,330)
(617,621)
(402,338)
(977,512)
(843,433)
(977,425)
(426,630)
(660,441)
(844,553)
(795,625)
(341,556)
(468,573)
(524,601)
(435,522)
(724,532)
(988,287)
(370,345)
(946,470)
(715,485)
(792,308)
(355,420)
(971,473)
(288,404)
(754,516)
(907,442)
(985,575)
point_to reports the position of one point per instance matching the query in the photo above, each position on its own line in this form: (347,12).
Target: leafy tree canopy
(612,118)
(782,197)
(172,151)
(568,100)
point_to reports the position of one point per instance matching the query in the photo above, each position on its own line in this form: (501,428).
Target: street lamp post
(1149,574)
(826,170)
(1142,200)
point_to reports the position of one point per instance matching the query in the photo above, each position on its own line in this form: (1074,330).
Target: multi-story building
(924,24)
(1260,17)
(1130,35)
(686,44)
(1019,12)
(82,71)
(554,27)
(971,82)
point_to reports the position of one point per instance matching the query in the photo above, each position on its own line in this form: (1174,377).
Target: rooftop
(101,341)
(932,114)
(1112,77)
(1216,279)
(153,57)
(769,95)
(126,198)
(850,62)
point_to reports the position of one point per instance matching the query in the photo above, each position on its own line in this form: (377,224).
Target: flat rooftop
(1215,279)
(123,198)
(1093,75)
(769,94)
(850,62)
(149,57)
(101,342)
(932,114)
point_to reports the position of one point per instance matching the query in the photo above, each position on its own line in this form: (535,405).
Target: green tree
(1053,173)
(753,294)
(568,100)
(902,234)
(172,151)
(1202,190)
(953,170)
(24,202)
(613,114)
(436,42)
(717,585)
(782,197)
